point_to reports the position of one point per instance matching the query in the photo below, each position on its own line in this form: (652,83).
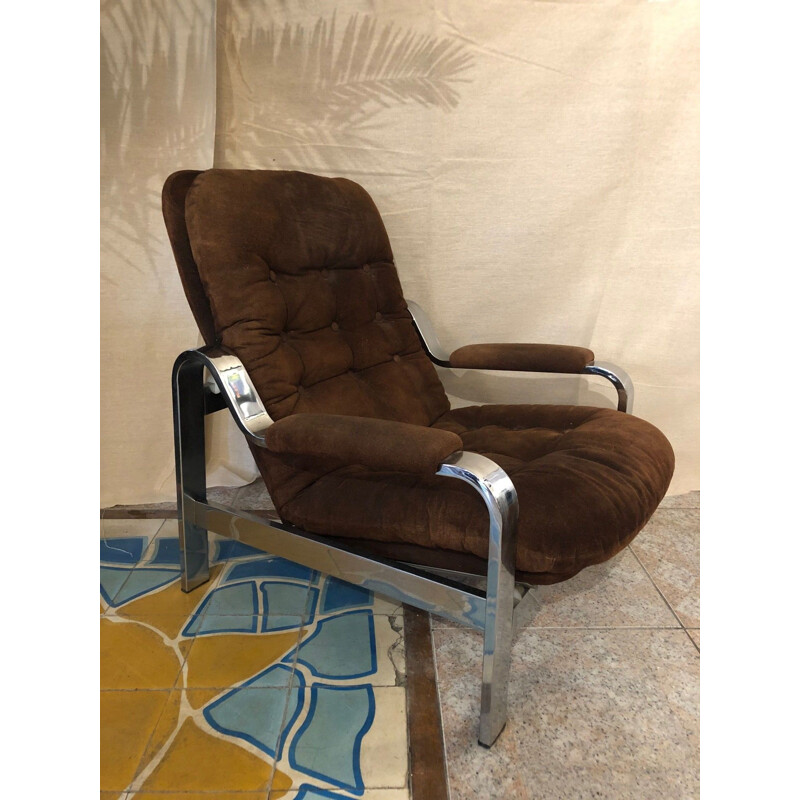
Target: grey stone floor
(604,691)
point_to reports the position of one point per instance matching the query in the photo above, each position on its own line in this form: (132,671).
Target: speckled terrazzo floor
(604,691)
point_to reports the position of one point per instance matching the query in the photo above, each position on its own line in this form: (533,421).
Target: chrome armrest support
(619,378)
(500,497)
(427,334)
(227,375)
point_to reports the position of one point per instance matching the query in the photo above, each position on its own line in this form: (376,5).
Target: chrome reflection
(227,373)
(619,379)
(500,498)
(459,603)
(427,334)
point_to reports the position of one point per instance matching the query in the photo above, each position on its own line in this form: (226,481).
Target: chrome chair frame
(498,610)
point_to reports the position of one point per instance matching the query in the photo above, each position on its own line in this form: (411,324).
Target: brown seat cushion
(587,479)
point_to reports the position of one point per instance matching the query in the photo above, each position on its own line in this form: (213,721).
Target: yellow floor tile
(199,762)
(200,796)
(127,720)
(199,698)
(167,724)
(225,660)
(134,657)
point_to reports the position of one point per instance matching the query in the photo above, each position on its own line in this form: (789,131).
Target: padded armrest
(523,357)
(375,443)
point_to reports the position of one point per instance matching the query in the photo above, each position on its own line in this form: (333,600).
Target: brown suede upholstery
(341,441)
(523,357)
(301,285)
(173,204)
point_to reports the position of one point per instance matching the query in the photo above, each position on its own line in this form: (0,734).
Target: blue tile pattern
(271,567)
(338,595)
(327,746)
(282,601)
(228,549)
(317,724)
(125,550)
(111,581)
(341,647)
(254,712)
(228,609)
(167,551)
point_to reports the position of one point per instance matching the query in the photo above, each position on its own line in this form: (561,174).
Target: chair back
(294,273)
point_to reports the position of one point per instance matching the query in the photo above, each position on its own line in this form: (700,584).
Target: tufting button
(334,326)
(273,276)
(395,357)
(301,389)
(379,316)
(365,267)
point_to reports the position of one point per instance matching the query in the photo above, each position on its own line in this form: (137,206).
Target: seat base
(587,479)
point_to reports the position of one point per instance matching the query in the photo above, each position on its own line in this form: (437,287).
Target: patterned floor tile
(168,607)
(594,713)
(324,732)
(384,751)
(669,549)
(310,793)
(136,656)
(228,651)
(198,759)
(123,544)
(197,796)
(221,661)
(387,606)
(127,720)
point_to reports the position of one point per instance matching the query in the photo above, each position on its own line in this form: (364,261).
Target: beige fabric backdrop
(536,164)
(157,115)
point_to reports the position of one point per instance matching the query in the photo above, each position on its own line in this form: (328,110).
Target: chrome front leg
(500,497)
(188,412)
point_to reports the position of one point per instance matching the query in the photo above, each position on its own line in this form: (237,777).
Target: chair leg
(497,640)
(500,497)
(188,409)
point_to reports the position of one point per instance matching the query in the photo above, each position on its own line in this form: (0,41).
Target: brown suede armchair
(329,372)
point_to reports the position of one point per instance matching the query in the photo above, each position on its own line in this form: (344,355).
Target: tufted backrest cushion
(301,283)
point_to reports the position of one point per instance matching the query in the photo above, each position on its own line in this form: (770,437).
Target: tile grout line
(658,589)
(292,672)
(141,765)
